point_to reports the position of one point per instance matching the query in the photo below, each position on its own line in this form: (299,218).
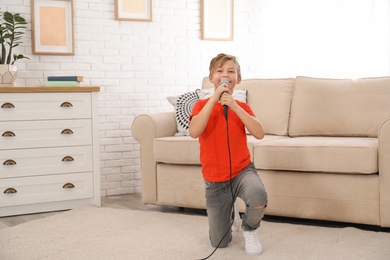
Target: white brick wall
(137,64)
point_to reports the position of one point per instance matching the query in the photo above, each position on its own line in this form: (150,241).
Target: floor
(134,201)
(128,201)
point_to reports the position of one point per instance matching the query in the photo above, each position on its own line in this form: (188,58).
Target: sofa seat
(176,150)
(350,155)
(185,149)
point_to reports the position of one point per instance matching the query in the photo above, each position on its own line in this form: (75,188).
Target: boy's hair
(220,59)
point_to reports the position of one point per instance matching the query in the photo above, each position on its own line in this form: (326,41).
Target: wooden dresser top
(48,89)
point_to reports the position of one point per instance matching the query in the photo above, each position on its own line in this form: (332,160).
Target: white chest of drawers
(49,149)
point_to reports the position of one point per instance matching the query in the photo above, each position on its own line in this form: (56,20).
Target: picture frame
(133,10)
(218,20)
(52,27)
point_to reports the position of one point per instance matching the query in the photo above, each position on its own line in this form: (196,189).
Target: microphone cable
(230,184)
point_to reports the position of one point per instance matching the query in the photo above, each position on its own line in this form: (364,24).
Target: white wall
(137,64)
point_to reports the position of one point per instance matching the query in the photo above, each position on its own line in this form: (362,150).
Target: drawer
(37,106)
(45,161)
(50,133)
(43,189)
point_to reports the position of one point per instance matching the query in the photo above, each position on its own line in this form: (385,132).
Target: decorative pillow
(239,94)
(183,105)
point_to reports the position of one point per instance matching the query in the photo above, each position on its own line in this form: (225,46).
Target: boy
(225,178)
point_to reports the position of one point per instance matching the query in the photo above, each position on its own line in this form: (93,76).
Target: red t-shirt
(214,153)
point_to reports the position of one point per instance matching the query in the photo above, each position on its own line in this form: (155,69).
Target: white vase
(7,75)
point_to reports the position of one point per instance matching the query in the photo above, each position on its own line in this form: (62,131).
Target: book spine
(62,84)
(64,78)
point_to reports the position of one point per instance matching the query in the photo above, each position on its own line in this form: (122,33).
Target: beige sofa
(326,154)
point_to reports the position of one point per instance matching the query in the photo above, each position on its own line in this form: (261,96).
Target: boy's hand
(221,90)
(227,99)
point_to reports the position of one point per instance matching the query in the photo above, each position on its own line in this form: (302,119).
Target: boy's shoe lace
(252,243)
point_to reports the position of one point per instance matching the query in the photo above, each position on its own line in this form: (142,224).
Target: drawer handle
(10,191)
(67,132)
(66,104)
(8,134)
(9,162)
(67,159)
(68,186)
(7,105)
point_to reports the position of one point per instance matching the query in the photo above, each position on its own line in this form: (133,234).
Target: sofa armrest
(145,129)
(384,173)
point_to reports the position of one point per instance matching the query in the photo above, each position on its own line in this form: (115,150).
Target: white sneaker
(252,243)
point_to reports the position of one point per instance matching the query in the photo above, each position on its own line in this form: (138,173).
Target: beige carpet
(104,233)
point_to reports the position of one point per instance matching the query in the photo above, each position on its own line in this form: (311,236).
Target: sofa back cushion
(339,107)
(270,100)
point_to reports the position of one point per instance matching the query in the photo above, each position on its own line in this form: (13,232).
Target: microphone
(225,108)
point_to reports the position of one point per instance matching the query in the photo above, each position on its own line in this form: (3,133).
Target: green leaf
(12,29)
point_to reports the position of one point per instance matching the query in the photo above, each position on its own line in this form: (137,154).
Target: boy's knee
(260,207)
(260,211)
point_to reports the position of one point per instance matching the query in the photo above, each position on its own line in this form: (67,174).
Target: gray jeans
(220,198)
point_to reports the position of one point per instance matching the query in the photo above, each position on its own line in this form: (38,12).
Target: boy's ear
(239,80)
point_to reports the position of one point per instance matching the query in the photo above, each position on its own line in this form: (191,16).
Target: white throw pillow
(238,94)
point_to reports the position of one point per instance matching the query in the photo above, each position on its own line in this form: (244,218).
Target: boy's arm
(199,121)
(251,123)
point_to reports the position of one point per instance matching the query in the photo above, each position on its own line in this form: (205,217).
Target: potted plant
(12,28)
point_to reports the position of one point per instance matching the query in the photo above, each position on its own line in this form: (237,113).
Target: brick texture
(137,64)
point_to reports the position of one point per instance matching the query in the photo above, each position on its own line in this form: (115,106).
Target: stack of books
(63,81)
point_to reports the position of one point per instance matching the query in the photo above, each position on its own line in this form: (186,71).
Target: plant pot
(7,75)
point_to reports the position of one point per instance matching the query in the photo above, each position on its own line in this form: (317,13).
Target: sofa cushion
(270,100)
(351,155)
(176,150)
(185,149)
(339,107)
(252,141)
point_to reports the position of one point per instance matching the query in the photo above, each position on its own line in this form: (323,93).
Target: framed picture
(133,10)
(217,20)
(52,27)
